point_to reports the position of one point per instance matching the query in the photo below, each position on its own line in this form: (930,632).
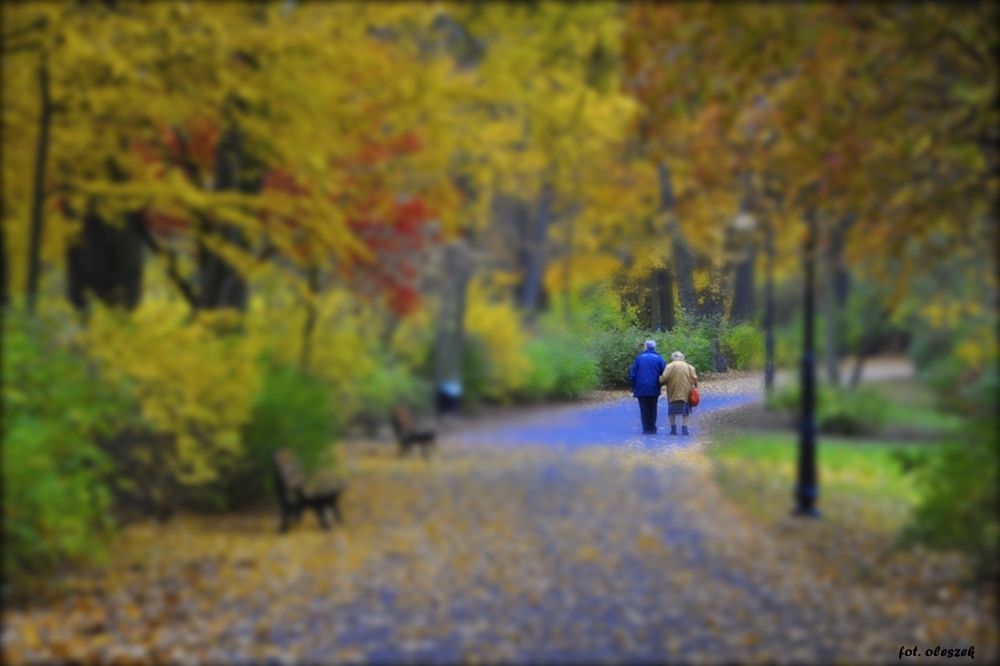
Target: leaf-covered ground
(503,550)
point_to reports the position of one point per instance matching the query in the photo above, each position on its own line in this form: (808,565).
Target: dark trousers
(647,410)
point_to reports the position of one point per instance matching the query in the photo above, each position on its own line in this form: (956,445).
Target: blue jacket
(645,374)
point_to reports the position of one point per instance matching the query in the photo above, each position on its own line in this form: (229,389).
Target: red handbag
(694,398)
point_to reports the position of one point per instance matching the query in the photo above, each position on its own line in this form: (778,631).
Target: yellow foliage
(411,339)
(976,352)
(190,380)
(585,270)
(340,350)
(497,325)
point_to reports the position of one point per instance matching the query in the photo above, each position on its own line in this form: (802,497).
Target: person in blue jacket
(645,377)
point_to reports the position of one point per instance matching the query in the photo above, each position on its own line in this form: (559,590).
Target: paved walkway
(611,423)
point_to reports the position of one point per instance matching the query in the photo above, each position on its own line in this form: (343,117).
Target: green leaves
(55,504)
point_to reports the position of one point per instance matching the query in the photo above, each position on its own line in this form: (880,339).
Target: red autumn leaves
(393,229)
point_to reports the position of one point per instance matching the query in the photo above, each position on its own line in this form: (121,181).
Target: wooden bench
(408,434)
(296,492)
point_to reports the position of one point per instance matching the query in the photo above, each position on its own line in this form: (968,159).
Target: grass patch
(859,479)
(898,409)
(912,404)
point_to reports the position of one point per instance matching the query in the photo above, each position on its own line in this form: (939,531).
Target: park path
(611,418)
(565,536)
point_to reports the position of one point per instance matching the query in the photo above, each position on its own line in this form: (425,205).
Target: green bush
(544,375)
(694,343)
(475,370)
(599,309)
(614,351)
(851,412)
(56,504)
(960,497)
(838,411)
(743,346)
(292,410)
(960,479)
(560,367)
(386,385)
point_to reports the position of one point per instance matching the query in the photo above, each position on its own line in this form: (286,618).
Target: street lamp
(807,487)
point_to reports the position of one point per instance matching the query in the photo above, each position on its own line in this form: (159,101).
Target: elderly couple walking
(648,373)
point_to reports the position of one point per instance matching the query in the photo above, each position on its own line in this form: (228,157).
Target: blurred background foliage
(238,226)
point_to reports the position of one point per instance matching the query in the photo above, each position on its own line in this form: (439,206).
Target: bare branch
(9,49)
(173,270)
(16,33)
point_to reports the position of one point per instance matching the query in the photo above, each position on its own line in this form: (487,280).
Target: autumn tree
(554,117)
(825,110)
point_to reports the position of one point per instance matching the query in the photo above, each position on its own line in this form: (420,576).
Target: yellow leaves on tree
(497,325)
(342,342)
(190,381)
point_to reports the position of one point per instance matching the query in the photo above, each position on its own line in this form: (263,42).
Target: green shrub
(577,371)
(694,343)
(838,411)
(959,499)
(386,385)
(56,504)
(613,352)
(475,370)
(544,375)
(292,410)
(743,346)
(560,367)
(851,412)
(599,309)
(960,479)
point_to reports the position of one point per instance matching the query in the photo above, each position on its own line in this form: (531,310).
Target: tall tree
(549,73)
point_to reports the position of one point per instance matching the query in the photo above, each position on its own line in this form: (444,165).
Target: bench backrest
(288,474)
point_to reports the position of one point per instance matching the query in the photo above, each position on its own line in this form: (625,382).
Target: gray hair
(677,356)
(650,344)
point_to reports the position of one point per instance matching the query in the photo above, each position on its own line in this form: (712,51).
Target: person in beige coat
(679,377)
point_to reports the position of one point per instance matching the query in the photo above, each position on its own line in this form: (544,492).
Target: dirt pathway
(504,547)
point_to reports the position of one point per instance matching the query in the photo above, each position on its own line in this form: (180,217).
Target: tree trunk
(684,274)
(457,271)
(534,253)
(4,289)
(106,261)
(683,257)
(834,296)
(718,358)
(663,300)
(743,305)
(568,274)
(831,351)
(312,281)
(220,284)
(38,187)
(859,364)
(711,303)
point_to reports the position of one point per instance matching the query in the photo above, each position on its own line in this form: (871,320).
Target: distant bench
(296,492)
(408,434)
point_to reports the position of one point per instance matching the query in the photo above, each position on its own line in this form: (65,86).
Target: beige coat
(679,377)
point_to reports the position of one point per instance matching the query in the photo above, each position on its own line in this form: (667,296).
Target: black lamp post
(807,487)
